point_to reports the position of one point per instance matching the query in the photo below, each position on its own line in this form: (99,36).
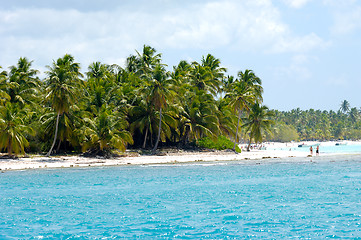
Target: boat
(341,144)
(309,145)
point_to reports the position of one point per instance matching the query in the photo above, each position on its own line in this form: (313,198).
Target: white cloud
(299,44)
(249,25)
(296,3)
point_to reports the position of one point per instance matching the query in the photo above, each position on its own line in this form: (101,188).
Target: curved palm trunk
(249,144)
(235,137)
(56,135)
(159,129)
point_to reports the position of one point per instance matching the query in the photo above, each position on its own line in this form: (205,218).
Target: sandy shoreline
(38,162)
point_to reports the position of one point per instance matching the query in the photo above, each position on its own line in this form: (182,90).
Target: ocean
(255,199)
(325,149)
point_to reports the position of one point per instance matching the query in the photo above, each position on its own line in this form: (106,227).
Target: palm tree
(62,87)
(142,116)
(144,62)
(4,96)
(216,72)
(158,91)
(201,79)
(252,81)
(12,130)
(100,87)
(68,124)
(354,115)
(245,91)
(23,83)
(106,131)
(345,106)
(258,121)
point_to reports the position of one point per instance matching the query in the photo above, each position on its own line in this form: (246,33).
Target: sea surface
(255,199)
(325,149)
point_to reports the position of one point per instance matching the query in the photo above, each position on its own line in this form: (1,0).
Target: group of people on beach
(317,150)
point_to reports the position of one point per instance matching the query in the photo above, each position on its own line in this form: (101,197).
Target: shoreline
(41,162)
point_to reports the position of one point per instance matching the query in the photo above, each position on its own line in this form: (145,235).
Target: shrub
(221,143)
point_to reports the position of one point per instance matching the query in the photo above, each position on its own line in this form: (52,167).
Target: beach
(268,151)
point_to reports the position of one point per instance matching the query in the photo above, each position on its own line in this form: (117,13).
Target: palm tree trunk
(145,138)
(58,148)
(235,137)
(10,148)
(185,136)
(249,144)
(56,135)
(159,130)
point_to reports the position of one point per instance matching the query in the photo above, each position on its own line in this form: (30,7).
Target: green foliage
(144,104)
(13,130)
(258,123)
(322,125)
(220,143)
(284,133)
(105,132)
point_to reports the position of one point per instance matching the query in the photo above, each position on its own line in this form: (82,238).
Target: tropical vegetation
(148,105)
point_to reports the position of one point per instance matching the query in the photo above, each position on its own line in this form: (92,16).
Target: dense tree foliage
(318,125)
(146,105)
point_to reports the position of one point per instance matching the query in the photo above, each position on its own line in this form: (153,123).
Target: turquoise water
(274,199)
(356,148)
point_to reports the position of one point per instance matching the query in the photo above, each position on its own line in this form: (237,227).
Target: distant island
(109,108)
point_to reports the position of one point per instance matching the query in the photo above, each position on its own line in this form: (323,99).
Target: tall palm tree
(62,87)
(216,72)
(23,82)
(100,87)
(201,79)
(345,106)
(12,130)
(244,92)
(144,62)
(258,121)
(158,90)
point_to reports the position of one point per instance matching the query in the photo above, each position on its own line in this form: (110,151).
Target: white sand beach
(289,150)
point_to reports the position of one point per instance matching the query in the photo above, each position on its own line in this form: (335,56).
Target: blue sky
(307,52)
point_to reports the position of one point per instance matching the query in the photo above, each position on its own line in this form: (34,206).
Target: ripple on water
(233,200)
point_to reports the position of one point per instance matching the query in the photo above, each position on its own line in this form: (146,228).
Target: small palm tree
(12,130)
(258,121)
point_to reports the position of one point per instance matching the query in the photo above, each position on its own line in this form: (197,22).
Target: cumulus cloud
(112,34)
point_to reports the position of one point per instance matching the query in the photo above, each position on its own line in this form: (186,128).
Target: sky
(307,52)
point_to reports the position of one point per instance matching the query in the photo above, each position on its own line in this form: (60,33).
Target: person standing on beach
(317,150)
(311,150)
